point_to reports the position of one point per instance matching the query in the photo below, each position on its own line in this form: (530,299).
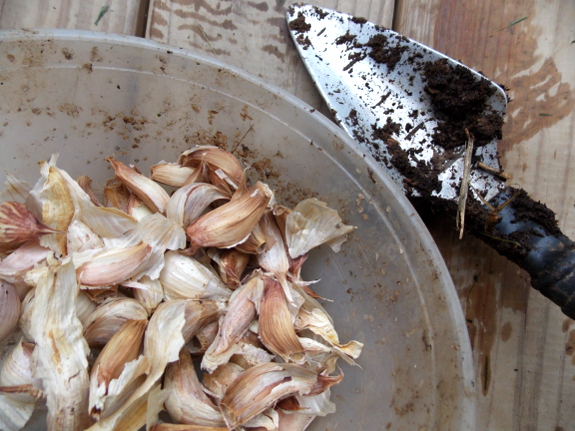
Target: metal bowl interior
(87,96)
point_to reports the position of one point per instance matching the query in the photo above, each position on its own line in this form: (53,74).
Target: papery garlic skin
(9,308)
(276,327)
(114,265)
(184,277)
(215,159)
(241,312)
(171,174)
(217,382)
(231,223)
(149,292)
(190,201)
(312,223)
(106,319)
(51,202)
(15,189)
(260,387)
(151,193)
(60,352)
(17,372)
(124,346)
(187,402)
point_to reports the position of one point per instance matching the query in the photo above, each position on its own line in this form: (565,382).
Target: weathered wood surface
(523,345)
(248,34)
(122,16)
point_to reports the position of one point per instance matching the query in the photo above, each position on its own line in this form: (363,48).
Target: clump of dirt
(460,102)
(422,178)
(383,52)
(299,25)
(347,37)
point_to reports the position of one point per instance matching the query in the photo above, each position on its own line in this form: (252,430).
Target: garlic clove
(217,382)
(114,265)
(274,258)
(204,338)
(231,265)
(158,232)
(150,192)
(84,306)
(171,174)
(188,402)
(190,201)
(184,277)
(231,223)
(119,390)
(80,238)
(9,308)
(256,242)
(149,292)
(312,223)
(215,159)
(116,195)
(18,225)
(294,421)
(199,314)
(137,209)
(233,325)
(124,347)
(17,374)
(260,387)
(281,213)
(107,318)
(16,264)
(14,413)
(276,328)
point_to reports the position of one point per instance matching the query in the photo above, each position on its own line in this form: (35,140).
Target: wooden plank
(523,345)
(122,16)
(251,35)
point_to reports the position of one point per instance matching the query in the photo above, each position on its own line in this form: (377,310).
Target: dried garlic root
(116,295)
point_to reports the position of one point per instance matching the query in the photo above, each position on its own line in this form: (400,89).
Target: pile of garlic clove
(111,299)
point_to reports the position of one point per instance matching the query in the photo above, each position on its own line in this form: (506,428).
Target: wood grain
(523,345)
(123,16)
(237,32)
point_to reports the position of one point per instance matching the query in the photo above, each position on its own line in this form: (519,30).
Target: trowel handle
(528,235)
